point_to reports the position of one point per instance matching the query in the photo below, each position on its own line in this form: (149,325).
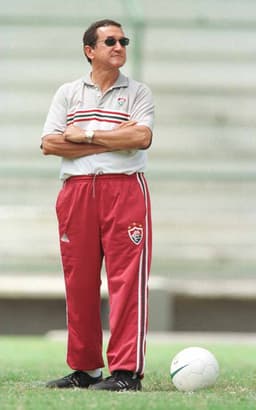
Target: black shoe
(120,380)
(76,379)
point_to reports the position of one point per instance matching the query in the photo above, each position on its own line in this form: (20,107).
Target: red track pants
(106,216)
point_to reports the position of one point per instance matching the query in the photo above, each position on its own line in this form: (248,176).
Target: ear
(89,52)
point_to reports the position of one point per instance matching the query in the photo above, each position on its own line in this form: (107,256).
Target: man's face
(103,55)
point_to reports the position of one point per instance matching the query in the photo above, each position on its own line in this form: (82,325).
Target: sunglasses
(111,41)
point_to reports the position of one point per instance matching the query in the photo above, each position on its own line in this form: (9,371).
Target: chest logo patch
(121,100)
(135,232)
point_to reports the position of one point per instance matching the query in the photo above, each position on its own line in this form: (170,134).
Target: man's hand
(75,134)
(125,124)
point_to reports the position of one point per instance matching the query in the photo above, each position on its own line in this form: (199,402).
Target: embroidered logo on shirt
(135,232)
(121,100)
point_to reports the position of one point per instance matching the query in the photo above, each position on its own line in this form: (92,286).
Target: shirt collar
(122,81)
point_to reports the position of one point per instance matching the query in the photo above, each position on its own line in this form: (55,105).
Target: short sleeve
(56,120)
(143,107)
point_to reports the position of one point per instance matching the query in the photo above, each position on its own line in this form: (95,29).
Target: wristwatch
(89,136)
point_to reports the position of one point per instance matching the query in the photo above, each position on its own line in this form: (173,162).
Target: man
(101,126)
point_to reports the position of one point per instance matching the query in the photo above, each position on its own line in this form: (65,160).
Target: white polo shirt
(82,103)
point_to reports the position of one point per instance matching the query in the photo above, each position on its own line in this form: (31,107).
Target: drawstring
(91,178)
(94,182)
(93,185)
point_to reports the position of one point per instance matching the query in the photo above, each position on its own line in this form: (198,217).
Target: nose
(118,45)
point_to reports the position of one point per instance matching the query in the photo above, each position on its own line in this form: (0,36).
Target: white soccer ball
(194,368)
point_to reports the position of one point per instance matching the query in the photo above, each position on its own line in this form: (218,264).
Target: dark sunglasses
(111,41)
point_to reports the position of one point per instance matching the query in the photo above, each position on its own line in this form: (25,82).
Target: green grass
(26,363)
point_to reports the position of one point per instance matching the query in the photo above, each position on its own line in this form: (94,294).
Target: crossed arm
(72,143)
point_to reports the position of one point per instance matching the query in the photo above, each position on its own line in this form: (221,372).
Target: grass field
(26,363)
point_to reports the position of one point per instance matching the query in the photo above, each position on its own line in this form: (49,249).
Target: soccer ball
(194,368)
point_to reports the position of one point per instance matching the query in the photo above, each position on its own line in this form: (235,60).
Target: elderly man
(101,127)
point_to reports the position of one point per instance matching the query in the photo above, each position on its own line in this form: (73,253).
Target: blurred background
(199,59)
